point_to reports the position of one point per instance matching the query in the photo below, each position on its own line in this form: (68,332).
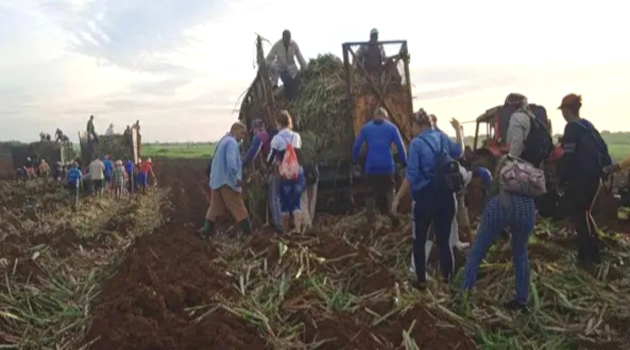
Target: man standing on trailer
(91,131)
(281,62)
(372,55)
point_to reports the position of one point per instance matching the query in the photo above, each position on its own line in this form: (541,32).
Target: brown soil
(143,306)
(351,332)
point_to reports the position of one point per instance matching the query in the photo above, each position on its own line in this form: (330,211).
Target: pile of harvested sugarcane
(119,146)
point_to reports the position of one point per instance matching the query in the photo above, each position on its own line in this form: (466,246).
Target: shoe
(421,286)
(516,305)
(462,245)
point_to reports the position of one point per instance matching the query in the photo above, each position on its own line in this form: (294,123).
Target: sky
(180,66)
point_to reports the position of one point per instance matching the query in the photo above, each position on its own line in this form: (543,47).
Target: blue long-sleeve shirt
(421,166)
(109,166)
(379,137)
(227,167)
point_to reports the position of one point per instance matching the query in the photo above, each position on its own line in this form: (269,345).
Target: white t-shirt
(284,136)
(96,169)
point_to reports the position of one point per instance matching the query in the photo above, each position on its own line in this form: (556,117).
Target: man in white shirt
(110,130)
(281,62)
(96,171)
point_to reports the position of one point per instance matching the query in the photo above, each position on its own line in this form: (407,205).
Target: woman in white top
(290,190)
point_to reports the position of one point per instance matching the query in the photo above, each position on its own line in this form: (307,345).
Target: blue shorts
(291,193)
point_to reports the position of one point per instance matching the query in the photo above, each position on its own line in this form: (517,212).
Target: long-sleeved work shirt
(260,143)
(576,164)
(379,137)
(96,169)
(421,164)
(285,56)
(227,167)
(520,124)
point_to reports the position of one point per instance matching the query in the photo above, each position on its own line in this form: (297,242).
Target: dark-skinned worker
(379,134)
(580,170)
(372,55)
(281,62)
(432,178)
(512,209)
(226,182)
(91,130)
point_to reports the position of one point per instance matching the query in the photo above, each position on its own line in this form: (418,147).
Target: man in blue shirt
(226,181)
(109,167)
(379,134)
(431,204)
(75,180)
(129,168)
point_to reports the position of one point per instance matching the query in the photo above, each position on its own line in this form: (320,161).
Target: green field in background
(180,150)
(205,150)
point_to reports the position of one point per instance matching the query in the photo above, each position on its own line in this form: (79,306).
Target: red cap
(571,100)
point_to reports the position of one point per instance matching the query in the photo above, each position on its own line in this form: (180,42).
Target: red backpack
(289,168)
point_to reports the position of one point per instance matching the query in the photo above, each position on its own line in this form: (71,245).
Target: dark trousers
(438,208)
(290,85)
(380,194)
(580,196)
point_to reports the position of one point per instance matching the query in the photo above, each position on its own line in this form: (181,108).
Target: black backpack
(592,150)
(538,144)
(447,174)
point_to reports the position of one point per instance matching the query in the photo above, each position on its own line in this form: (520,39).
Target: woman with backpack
(284,152)
(519,183)
(433,177)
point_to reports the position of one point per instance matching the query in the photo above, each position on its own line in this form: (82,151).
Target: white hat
(373,31)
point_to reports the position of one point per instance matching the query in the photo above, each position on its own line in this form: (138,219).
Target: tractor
(487,152)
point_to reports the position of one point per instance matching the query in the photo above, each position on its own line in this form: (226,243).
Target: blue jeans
(504,210)
(432,207)
(291,193)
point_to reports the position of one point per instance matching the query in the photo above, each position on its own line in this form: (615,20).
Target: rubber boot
(208,228)
(246,227)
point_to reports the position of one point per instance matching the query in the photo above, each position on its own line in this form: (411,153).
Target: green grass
(618,151)
(205,150)
(180,150)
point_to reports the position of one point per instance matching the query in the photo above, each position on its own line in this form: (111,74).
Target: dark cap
(421,117)
(571,100)
(257,124)
(515,99)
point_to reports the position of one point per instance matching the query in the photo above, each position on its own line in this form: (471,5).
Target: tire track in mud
(144,305)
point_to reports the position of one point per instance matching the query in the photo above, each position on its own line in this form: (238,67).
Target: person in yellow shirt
(613,168)
(44,170)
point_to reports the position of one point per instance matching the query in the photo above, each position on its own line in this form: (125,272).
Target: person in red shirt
(144,170)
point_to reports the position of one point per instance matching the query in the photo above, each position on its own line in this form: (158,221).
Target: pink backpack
(520,177)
